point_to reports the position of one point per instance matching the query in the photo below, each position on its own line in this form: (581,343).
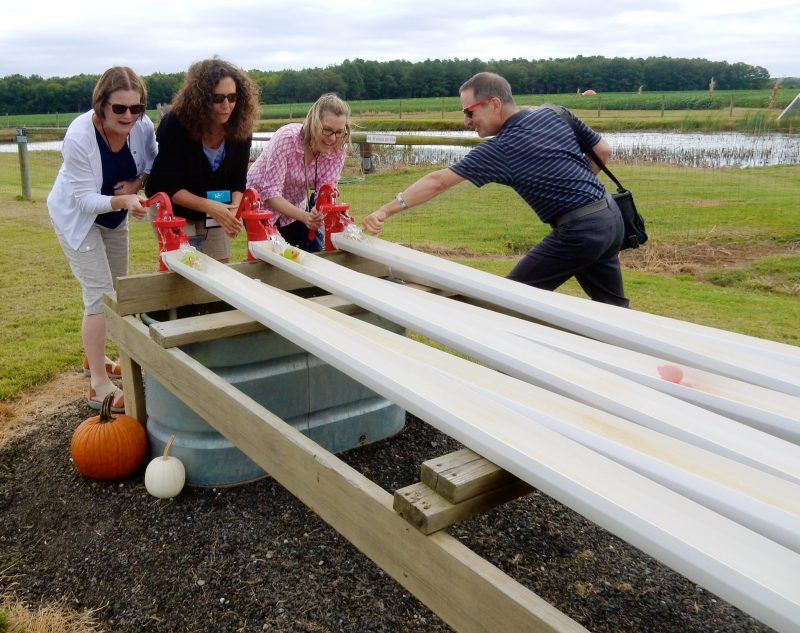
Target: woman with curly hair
(297,160)
(203,151)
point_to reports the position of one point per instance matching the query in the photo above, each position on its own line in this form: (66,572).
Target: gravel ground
(253,558)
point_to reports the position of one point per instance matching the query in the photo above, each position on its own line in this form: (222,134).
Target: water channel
(718,149)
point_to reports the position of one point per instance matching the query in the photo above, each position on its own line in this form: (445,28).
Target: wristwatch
(399,197)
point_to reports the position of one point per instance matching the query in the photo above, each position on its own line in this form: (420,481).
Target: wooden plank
(625,328)
(429,512)
(467,330)
(463,474)
(209,327)
(151,292)
(477,596)
(745,568)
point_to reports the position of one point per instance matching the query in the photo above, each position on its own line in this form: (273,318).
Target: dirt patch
(660,256)
(253,558)
(697,258)
(22,413)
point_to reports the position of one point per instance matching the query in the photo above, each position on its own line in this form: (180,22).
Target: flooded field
(719,149)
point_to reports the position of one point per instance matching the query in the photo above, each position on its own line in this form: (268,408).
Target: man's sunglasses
(118,108)
(468,111)
(219,98)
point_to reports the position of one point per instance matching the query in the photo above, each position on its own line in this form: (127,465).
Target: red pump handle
(167,225)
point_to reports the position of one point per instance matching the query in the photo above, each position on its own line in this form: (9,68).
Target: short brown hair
(116,78)
(192,104)
(485,85)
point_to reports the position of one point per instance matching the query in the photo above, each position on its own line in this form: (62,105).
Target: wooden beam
(209,327)
(429,512)
(465,590)
(151,292)
(463,474)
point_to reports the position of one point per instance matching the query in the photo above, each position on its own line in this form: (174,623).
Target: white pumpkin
(165,476)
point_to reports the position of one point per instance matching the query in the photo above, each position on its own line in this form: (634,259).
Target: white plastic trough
(472,332)
(776,369)
(747,569)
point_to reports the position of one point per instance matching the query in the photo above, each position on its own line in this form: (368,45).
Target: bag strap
(562,112)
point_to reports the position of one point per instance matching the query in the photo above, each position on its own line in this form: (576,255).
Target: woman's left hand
(126,187)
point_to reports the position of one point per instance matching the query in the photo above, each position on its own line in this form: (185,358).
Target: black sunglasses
(118,108)
(219,98)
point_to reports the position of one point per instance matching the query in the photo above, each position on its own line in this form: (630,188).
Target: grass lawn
(724,255)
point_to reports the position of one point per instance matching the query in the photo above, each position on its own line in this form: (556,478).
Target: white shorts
(98,261)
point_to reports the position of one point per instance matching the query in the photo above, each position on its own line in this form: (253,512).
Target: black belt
(587,209)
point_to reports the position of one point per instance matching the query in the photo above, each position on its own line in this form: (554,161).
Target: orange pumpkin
(108,446)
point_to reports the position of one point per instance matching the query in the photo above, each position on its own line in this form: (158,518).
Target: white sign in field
(385,139)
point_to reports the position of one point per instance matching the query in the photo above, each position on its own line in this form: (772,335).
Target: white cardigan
(75,199)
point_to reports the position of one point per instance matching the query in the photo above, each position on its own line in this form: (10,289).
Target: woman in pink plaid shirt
(298,160)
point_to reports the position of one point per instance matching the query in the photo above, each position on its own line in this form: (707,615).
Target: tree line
(359,79)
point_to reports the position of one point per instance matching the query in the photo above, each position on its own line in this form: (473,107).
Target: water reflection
(719,149)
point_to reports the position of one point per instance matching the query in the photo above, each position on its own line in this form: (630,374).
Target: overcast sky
(57,39)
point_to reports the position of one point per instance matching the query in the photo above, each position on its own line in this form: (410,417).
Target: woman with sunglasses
(298,159)
(203,151)
(108,153)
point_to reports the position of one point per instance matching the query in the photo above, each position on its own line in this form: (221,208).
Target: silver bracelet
(399,197)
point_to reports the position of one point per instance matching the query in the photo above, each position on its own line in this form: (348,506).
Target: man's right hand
(373,223)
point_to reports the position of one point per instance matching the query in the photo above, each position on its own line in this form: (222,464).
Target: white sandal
(95,398)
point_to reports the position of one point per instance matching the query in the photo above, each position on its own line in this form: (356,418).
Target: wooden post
(663,105)
(24,166)
(367,166)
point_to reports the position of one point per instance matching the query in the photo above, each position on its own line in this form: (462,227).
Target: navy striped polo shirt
(536,154)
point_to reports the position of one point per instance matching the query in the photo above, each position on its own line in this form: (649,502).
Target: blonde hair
(312,126)
(116,78)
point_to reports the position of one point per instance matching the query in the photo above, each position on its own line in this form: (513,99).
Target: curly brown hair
(192,103)
(113,79)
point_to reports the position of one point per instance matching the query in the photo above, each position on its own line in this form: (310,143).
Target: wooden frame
(477,595)
(745,568)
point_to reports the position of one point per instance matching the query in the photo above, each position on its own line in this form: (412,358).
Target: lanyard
(312,198)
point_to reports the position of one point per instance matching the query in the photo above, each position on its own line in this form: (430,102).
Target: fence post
(24,167)
(367,166)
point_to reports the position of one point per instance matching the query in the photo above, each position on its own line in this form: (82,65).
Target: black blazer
(182,164)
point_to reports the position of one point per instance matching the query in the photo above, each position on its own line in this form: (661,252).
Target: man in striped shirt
(537,154)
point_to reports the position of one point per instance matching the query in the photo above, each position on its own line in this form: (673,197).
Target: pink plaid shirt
(278,171)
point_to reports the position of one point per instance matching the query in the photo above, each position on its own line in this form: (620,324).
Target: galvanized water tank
(331,408)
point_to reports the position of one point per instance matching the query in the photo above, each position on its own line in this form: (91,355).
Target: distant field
(732,109)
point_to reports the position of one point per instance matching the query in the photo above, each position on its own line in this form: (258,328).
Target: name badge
(223,196)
